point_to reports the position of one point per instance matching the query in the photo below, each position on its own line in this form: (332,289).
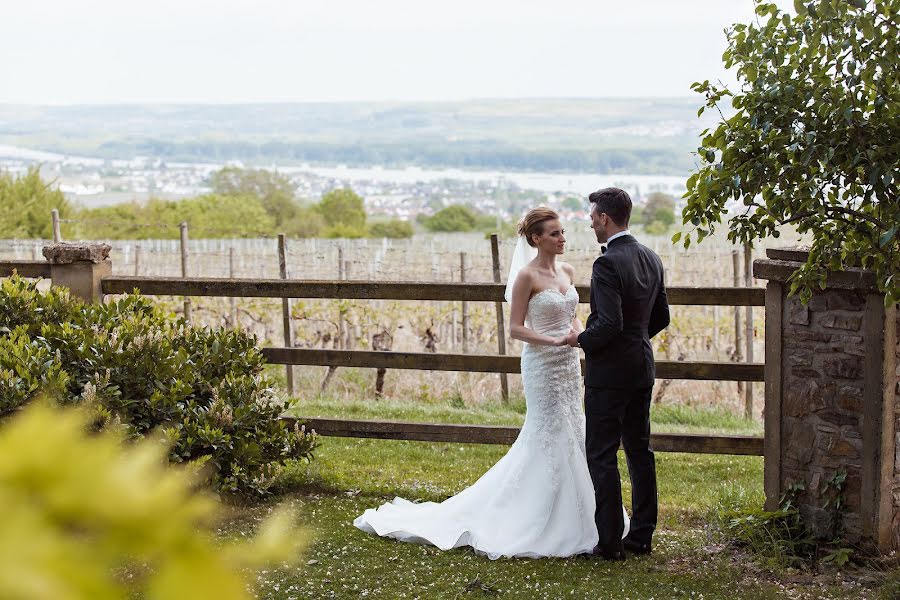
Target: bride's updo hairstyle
(533,222)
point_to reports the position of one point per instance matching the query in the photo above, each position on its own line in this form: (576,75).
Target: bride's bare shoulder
(568,269)
(526,274)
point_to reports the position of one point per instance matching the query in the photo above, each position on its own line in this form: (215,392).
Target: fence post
(339,342)
(286,312)
(465,305)
(501,328)
(79,267)
(184,266)
(54,218)
(341,275)
(736,264)
(748,322)
(137,260)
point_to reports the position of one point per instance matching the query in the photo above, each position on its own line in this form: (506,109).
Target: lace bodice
(550,312)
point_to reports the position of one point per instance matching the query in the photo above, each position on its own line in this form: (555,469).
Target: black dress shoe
(614,552)
(636,547)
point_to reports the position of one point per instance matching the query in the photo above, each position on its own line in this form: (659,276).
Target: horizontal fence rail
(491,363)
(392,290)
(492,434)
(25,268)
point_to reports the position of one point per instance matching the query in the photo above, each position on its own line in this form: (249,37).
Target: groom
(628,307)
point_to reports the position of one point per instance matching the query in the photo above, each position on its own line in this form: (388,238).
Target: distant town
(395,193)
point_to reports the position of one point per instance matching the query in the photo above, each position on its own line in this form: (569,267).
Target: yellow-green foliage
(88,517)
(209,216)
(25,205)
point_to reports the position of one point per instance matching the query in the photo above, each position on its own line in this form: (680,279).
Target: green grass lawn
(350,475)
(665,418)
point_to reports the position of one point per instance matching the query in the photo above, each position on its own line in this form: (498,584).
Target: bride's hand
(563,341)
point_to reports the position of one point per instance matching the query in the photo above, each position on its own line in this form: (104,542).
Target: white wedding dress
(538,500)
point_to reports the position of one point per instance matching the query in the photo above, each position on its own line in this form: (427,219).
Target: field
(696,333)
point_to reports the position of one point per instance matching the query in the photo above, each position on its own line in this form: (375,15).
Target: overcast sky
(115,51)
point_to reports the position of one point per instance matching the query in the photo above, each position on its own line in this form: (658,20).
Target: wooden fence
(484,363)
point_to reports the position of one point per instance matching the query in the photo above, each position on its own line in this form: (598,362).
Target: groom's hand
(572,339)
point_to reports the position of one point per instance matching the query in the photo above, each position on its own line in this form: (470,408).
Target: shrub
(453,218)
(86,518)
(132,364)
(394,228)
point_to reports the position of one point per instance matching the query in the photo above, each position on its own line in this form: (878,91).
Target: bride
(538,500)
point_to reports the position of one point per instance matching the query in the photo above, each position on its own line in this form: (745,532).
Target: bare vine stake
(501,329)
(137,260)
(736,264)
(286,313)
(465,305)
(748,321)
(184,266)
(54,217)
(454,337)
(233,301)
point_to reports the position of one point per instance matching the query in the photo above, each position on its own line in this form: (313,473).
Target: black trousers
(614,416)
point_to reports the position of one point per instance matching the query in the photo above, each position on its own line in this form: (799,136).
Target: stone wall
(833,400)
(822,405)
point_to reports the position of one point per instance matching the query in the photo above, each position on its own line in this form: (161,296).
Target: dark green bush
(203,388)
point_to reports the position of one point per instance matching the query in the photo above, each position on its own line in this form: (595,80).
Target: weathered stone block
(841,321)
(803,438)
(844,368)
(843,448)
(67,253)
(804,396)
(800,358)
(844,300)
(849,344)
(839,418)
(850,398)
(817,303)
(798,313)
(799,337)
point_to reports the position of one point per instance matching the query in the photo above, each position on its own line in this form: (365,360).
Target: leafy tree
(274,190)
(307,223)
(80,508)
(453,218)
(343,207)
(815,139)
(394,228)
(209,216)
(25,205)
(341,230)
(660,207)
(573,204)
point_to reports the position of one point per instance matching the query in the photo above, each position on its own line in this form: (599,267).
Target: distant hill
(638,135)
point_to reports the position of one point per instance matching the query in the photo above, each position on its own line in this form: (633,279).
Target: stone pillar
(832,392)
(79,267)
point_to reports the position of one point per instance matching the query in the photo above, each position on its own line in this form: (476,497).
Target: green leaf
(800,7)
(887,236)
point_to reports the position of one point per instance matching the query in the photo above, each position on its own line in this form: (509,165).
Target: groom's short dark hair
(614,202)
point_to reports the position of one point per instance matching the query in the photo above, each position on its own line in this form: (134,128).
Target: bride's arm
(518,307)
(576,326)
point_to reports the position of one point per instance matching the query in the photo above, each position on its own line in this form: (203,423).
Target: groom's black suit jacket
(628,307)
